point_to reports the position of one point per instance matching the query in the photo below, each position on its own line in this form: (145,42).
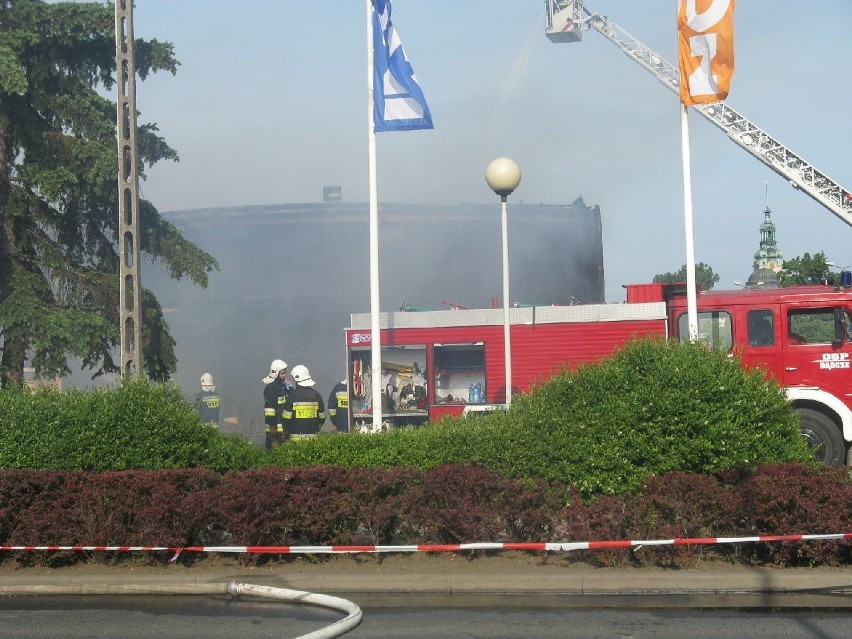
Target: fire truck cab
(439,363)
(801,336)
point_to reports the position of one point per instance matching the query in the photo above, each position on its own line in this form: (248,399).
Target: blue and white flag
(398,102)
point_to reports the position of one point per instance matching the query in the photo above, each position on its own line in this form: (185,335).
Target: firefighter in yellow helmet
(304,412)
(277,386)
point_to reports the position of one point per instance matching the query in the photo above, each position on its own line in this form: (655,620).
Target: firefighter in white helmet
(207,401)
(278,386)
(304,412)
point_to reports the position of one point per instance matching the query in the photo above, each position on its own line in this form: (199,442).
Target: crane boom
(566,20)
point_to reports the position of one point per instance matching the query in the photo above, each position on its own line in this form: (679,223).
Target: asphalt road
(220,617)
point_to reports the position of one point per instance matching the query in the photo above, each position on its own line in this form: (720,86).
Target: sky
(269,105)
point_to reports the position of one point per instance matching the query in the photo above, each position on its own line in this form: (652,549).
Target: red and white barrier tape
(535,546)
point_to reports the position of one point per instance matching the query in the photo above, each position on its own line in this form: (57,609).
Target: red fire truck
(437,363)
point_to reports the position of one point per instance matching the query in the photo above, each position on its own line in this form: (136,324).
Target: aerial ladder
(566,20)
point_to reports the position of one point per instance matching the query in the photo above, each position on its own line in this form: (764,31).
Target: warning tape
(533,546)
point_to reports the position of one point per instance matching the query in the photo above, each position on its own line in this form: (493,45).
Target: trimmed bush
(796,499)
(313,505)
(136,425)
(458,503)
(328,505)
(653,407)
(18,490)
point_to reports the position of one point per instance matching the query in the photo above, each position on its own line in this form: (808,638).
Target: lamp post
(503,176)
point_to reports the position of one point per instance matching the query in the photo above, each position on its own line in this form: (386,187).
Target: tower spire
(768,259)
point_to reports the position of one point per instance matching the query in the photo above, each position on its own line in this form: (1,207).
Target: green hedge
(653,407)
(136,425)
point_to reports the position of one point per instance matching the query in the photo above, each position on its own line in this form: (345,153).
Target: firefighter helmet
(206,380)
(302,376)
(275,367)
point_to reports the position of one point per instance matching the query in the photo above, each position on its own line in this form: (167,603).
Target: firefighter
(304,412)
(338,406)
(207,401)
(277,387)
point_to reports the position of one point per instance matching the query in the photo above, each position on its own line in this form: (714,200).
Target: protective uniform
(275,394)
(304,412)
(338,406)
(207,401)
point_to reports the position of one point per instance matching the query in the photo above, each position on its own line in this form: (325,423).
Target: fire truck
(438,363)
(450,362)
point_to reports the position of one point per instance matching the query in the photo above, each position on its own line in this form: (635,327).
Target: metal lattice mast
(568,27)
(128,194)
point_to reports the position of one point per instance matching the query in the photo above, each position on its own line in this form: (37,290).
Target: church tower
(768,259)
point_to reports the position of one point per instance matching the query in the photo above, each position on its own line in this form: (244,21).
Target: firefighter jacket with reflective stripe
(274,397)
(304,412)
(207,405)
(338,406)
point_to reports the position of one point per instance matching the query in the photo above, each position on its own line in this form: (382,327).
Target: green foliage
(704,276)
(59,284)
(447,441)
(805,270)
(137,425)
(814,326)
(654,407)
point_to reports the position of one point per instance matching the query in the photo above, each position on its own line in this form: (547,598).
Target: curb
(833,585)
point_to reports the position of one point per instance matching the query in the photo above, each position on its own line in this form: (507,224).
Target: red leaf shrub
(797,499)
(380,494)
(18,489)
(313,505)
(128,508)
(458,503)
(331,505)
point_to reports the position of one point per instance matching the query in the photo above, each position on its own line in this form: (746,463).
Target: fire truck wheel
(823,436)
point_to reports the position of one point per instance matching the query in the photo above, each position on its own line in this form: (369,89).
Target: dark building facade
(291,275)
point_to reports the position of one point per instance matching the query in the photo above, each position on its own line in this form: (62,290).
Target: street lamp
(503,176)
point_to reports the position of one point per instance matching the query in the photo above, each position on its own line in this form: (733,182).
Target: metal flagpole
(705,45)
(375,323)
(691,302)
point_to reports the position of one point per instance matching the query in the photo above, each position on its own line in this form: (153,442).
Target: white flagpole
(691,302)
(375,324)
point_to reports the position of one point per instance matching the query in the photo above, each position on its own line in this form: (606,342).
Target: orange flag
(706,49)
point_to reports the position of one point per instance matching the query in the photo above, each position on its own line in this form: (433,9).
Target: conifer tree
(59,285)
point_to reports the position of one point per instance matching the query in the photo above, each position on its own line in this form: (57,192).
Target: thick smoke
(292,274)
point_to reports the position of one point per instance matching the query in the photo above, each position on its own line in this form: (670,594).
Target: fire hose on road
(353,612)
(233,588)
